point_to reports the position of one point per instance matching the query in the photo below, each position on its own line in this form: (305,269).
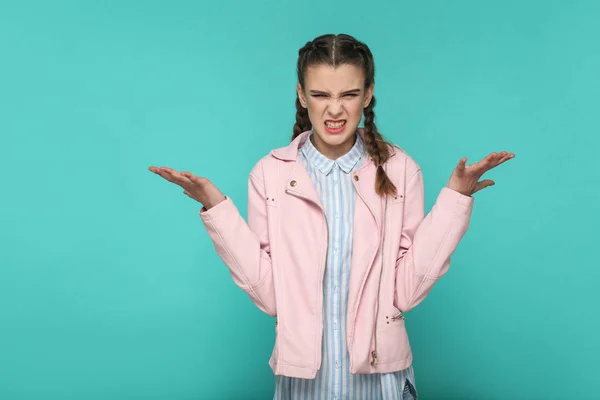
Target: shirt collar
(346,162)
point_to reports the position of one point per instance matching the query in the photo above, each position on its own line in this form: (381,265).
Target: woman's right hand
(200,189)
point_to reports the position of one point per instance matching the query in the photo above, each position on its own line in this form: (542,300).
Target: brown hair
(335,50)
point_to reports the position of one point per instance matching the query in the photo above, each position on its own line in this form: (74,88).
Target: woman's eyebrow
(345,92)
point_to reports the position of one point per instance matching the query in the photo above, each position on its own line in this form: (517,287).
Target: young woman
(337,245)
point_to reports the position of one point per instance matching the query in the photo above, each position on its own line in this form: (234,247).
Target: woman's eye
(347,95)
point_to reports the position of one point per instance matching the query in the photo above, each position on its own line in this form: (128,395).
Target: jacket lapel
(300,184)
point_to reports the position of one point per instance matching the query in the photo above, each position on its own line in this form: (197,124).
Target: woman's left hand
(465,178)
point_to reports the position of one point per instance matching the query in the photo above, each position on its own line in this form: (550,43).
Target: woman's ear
(301,96)
(369,95)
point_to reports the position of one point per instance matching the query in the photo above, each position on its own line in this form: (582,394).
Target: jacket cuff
(453,200)
(224,207)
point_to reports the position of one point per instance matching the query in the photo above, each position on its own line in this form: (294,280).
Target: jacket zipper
(397,317)
(323,262)
(374,353)
(350,343)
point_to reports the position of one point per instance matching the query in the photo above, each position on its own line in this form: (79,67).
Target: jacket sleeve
(427,243)
(244,247)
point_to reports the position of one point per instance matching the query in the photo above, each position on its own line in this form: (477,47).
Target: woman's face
(335,99)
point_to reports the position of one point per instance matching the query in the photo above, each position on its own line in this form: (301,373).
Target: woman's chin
(336,138)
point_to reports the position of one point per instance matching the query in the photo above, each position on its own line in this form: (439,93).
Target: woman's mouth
(337,126)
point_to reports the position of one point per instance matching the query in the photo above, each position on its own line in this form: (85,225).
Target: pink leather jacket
(278,257)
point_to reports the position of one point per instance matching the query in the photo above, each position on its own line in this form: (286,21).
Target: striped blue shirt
(332,180)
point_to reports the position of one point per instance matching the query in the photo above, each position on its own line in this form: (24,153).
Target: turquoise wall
(109,285)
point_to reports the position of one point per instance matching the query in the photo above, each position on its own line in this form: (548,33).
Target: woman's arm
(427,243)
(244,247)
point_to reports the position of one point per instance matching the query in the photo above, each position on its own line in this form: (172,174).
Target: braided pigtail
(302,120)
(378,150)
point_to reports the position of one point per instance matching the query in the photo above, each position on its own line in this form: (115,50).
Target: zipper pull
(399,316)
(374,362)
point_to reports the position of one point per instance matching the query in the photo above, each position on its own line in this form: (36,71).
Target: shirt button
(335,288)
(337,215)
(337,364)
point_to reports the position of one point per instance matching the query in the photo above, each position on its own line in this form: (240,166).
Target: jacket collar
(290,152)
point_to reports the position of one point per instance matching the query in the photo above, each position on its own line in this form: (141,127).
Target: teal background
(110,287)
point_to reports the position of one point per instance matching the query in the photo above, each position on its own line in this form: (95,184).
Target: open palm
(465,178)
(198,188)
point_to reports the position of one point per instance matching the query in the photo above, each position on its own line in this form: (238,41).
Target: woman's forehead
(328,78)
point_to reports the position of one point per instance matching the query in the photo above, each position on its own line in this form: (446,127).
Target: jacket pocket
(393,339)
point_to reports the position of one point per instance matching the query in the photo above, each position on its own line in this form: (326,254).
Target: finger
(185,178)
(187,194)
(484,163)
(483,184)
(506,157)
(164,174)
(163,170)
(173,176)
(171,179)
(172,173)
(166,170)
(489,162)
(196,180)
(461,164)
(155,170)
(191,177)
(492,158)
(501,155)
(500,158)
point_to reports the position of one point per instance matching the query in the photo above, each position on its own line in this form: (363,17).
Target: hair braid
(378,150)
(302,120)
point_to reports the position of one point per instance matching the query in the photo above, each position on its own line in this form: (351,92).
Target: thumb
(483,184)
